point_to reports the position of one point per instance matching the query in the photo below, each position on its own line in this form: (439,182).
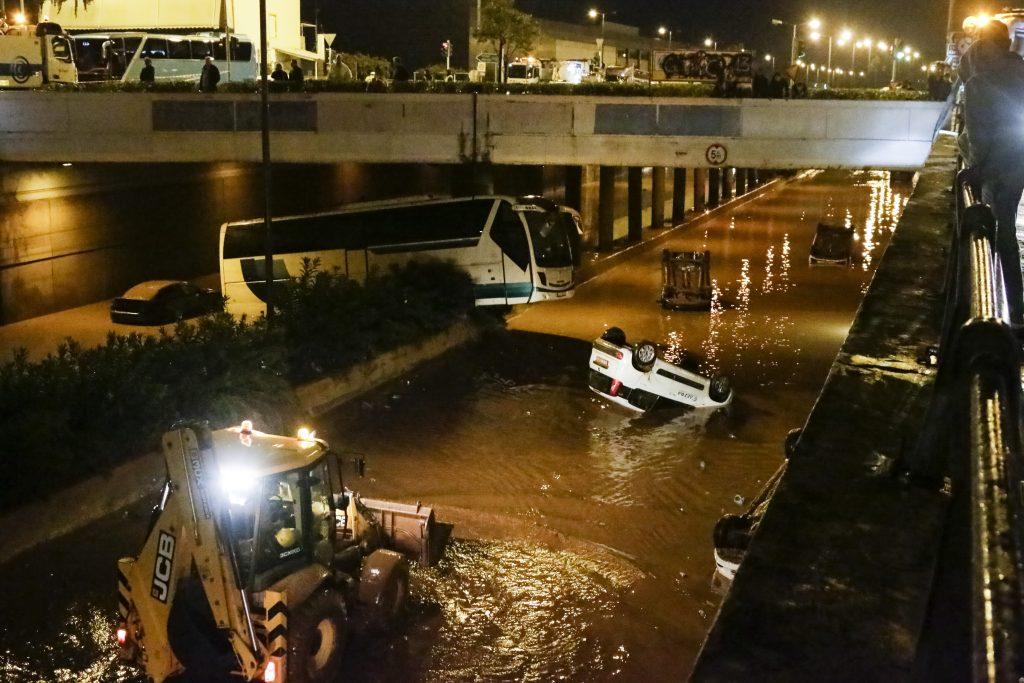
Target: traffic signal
(801,50)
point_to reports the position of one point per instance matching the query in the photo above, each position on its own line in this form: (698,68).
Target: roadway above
(451,129)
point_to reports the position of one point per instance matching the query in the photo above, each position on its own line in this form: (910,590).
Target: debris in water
(702,465)
(738,499)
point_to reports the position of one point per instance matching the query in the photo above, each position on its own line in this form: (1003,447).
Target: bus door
(508,231)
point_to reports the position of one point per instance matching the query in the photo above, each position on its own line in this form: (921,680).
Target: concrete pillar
(752,178)
(700,189)
(658,197)
(606,208)
(714,187)
(741,181)
(728,183)
(635,202)
(678,195)
(574,187)
(471,179)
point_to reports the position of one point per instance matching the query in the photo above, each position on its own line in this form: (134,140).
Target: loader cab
(283,499)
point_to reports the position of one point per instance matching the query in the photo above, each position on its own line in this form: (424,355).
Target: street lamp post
(770,58)
(593,14)
(662,31)
(268,226)
(712,43)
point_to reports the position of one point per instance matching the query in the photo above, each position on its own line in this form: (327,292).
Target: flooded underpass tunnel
(582,544)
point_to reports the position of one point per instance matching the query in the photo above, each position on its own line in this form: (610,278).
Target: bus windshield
(550,238)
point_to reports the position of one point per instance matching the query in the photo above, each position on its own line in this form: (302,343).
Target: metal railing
(978,391)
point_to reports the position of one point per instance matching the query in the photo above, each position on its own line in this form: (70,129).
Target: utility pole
(268,226)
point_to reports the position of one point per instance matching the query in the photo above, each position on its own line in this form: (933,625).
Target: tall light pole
(593,14)
(712,43)
(268,225)
(770,58)
(813,23)
(662,31)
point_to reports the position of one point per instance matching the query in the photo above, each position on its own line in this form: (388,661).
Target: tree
(508,30)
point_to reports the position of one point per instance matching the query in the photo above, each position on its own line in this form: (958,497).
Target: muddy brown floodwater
(582,545)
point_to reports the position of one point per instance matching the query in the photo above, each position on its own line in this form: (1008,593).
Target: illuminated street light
(19,18)
(814,24)
(594,14)
(881,45)
(846,35)
(924,69)
(711,42)
(815,36)
(917,55)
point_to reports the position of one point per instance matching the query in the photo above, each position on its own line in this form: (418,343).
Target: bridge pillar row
(741,181)
(700,189)
(678,195)
(635,202)
(606,208)
(658,197)
(714,187)
(574,187)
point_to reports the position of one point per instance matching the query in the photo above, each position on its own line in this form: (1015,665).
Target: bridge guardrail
(977,406)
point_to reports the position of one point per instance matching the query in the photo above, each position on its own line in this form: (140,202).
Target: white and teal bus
(516,251)
(174,57)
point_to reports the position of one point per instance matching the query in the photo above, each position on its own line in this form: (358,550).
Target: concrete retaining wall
(99,496)
(421,128)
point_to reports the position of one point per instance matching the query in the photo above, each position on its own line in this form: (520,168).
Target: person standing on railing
(994,123)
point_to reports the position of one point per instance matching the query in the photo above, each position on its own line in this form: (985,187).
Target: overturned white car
(639,378)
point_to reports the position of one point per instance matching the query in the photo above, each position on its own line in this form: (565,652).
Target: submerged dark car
(159,302)
(833,245)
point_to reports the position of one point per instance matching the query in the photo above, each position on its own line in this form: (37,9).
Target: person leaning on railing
(993,143)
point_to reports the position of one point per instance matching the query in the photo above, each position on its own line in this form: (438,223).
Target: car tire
(644,356)
(614,335)
(719,389)
(317,635)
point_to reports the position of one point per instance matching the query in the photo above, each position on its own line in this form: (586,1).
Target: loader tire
(383,588)
(316,639)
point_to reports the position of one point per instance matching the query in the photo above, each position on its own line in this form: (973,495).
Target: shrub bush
(639,89)
(82,411)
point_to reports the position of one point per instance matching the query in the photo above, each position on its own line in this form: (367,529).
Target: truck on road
(258,561)
(33,56)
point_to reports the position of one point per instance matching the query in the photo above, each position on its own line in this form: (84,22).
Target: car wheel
(644,356)
(719,390)
(614,335)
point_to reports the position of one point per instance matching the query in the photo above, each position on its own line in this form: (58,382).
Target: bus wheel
(383,588)
(316,640)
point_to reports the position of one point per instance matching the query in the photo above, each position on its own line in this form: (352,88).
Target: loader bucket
(412,529)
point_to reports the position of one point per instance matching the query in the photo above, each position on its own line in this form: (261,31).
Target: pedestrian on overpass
(210,76)
(296,76)
(993,113)
(148,74)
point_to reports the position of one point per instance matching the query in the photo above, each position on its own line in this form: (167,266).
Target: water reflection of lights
(769,262)
(884,209)
(785,263)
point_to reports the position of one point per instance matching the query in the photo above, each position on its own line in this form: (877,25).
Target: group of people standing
(992,142)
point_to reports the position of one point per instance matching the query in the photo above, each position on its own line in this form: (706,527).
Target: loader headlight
(237,483)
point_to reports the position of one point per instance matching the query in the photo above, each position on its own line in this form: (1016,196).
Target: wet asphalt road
(583,532)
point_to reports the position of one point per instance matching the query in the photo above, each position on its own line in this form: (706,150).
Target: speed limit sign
(716,154)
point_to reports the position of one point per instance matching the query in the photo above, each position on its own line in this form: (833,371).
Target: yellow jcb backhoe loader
(258,561)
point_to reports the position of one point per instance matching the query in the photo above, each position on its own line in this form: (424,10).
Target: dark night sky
(415,28)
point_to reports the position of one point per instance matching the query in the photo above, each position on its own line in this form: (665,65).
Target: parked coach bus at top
(33,56)
(516,250)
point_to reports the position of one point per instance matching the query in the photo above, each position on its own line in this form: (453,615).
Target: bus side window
(509,233)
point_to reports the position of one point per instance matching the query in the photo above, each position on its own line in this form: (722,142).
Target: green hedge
(82,411)
(441,87)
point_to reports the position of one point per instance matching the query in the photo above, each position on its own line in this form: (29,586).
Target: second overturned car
(639,377)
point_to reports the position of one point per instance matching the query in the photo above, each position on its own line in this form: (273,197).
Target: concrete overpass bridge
(453,129)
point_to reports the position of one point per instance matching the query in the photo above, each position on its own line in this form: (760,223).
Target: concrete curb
(130,482)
